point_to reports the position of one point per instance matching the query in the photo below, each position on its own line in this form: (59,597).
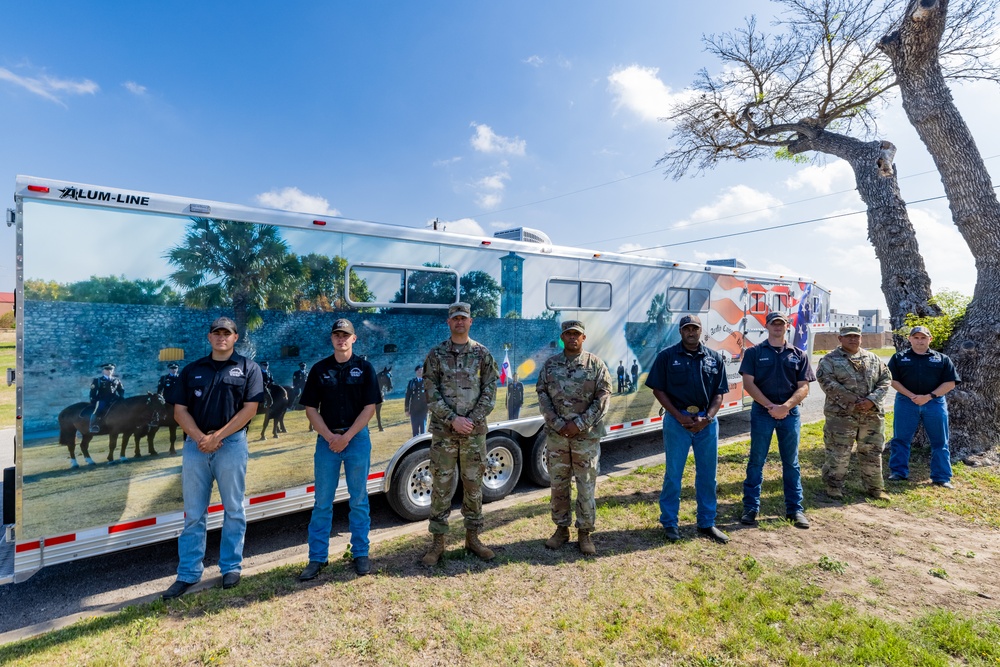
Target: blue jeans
(677,441)
(906,419)
(356,458)
(227,466)
(762,426)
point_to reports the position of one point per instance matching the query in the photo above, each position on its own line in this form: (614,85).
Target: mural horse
(133,416)
(280,402)
(384,378)
(166,420)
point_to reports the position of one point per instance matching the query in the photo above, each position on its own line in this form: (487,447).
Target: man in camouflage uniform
(461,379)
(574,388)
(855,381)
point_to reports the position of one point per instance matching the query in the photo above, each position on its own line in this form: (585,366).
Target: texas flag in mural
(504,369)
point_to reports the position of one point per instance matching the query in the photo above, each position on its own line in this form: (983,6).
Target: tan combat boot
(586,545)
(434,554)
(833,492)
(559,538)
(879,494)
(473,544)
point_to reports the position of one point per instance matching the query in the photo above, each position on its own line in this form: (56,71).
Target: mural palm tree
(225,263)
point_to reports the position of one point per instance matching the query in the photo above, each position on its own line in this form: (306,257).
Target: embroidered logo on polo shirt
(935,360)
(356,372)
(236,372)
(197,393)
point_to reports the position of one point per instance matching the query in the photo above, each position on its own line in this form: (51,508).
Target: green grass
(641,601)
(7,394)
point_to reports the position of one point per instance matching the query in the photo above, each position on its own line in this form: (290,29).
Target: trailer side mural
(106,284)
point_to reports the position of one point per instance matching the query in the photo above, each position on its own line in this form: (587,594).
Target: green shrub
(7,320)
(952,305)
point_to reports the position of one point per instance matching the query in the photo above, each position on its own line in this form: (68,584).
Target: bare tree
(923,48)
(810,87)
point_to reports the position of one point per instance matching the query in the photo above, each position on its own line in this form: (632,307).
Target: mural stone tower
(512,283)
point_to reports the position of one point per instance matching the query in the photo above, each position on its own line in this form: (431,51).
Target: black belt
(339,431)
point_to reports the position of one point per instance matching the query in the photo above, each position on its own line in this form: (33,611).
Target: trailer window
(684,300)
(568,294)
(777,303)
(758,303)
(403,286)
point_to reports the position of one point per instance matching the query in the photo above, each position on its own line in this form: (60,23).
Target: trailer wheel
(410,488)
(504,462)
(538,465)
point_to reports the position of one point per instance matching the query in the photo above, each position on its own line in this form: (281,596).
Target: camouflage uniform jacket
(577,389)
(846,378)
(461,381)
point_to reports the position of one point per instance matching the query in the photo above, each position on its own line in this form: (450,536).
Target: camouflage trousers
(468,454)
(568,458)
(839,436)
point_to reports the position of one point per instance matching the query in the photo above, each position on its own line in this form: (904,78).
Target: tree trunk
(974,346)
(905,283)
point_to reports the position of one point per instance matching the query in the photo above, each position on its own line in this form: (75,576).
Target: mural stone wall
(66,344)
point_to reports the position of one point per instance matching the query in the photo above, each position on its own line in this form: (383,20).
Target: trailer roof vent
(731,262)
(524,234)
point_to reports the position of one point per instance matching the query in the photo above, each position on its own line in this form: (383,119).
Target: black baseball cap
(689,320)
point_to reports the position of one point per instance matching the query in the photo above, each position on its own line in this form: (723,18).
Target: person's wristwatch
(933,395)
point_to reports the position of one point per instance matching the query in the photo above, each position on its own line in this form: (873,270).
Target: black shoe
(893,477)
(312,570)
(945,485)
(230,579)
(362,565)
(176,590)
(749,518)
(714,533)
(798,519)
(672,534)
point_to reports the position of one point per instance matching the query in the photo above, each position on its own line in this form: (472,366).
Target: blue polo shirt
(922,373)
(777,372)
(688,378)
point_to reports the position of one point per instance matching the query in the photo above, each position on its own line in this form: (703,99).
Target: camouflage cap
(921,329)
(343,325)
(689,321)
(574,325)
(774,317)
(223,323)
(850,330)
(460,309)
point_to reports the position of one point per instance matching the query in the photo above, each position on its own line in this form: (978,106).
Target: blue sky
(484,115)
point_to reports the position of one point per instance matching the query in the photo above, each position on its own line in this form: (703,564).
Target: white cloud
(490,189)
(50,88)
(485,140)
(740,204)
(293,199)
(466,226)
(640,90)
(135,88)
(848,227)
(534,61)
(823,179)
(446,161)
(946,255)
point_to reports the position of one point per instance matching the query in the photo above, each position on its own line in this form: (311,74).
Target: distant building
(6,302)
(870,321)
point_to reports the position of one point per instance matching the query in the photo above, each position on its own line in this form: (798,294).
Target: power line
(767,229)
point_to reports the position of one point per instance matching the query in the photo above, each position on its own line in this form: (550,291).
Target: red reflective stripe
(27,546)
(656,419)
(38,188)
(639,423)
(321,223)
(270,496)
(61,539)
(215,508)
(616,427)
(131,525)
(311,488)
(377,475)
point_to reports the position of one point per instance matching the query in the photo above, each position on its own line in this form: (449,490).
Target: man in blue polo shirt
(777,377)
(689,381)
(921,377)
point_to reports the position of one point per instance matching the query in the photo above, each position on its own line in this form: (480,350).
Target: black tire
(410,487)
(538,464)
(504,462)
